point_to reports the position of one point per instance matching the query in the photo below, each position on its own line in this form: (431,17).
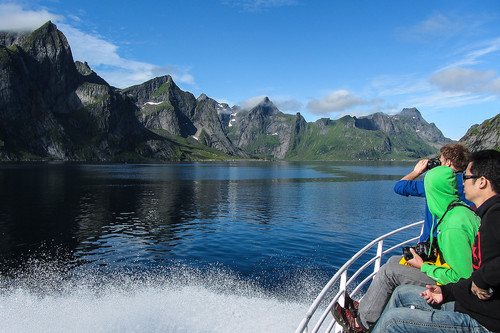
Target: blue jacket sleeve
(410,187)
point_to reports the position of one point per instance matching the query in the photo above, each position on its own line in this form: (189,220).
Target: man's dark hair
(486,163)
(458,154)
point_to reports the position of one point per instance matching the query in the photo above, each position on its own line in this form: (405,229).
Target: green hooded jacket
(456,231)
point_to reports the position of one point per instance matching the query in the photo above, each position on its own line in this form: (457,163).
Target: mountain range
(53,108)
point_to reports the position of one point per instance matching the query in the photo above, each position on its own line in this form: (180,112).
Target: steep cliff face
(31,93)
(483,136)
(51,110)
(264,131)
(210,129)
(166,109)
(54,108)
(163,106)
(408,122)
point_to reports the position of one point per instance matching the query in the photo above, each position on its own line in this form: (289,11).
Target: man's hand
(482,294)
(433,294)
(419,169)
(416,261)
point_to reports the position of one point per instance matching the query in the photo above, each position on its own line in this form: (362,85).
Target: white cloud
(467,80)
(14,18)
(259,5)
(101,55)
(251,102)
(336,101)
(481,50)
(436,25)
(446,99)
(288,104)
(391,85)
(104,58)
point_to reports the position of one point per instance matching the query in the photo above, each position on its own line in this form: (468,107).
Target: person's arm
(488,274)
(419,169)
(408,185)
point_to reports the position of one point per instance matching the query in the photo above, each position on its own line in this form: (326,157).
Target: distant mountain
(266,132)
(483,136)
(54,108)
(168,111)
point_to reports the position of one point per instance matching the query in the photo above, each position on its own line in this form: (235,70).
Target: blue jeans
(407,311)
(391,275)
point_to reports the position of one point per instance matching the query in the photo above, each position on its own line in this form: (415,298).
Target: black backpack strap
(450,207)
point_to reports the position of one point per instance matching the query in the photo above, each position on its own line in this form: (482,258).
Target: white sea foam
(186,300)
(184,309)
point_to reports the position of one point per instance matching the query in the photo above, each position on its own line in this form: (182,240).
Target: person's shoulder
(460,216)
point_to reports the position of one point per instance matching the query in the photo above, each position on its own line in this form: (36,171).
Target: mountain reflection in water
(224,242)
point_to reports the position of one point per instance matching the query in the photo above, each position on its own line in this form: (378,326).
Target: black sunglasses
(465,177)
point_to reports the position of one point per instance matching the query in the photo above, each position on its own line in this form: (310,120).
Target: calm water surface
(198,247)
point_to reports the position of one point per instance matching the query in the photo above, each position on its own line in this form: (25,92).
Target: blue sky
(319,58)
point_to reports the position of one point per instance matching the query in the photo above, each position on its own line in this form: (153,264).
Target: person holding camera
(471,304)
(453,155)
(456,228)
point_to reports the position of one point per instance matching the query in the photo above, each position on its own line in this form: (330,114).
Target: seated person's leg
(391,275)
(407,311)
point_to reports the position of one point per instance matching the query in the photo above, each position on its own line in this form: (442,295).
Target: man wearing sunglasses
(453,155)
(471,304)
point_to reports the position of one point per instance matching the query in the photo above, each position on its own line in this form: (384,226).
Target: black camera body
(433,162)
(422,249)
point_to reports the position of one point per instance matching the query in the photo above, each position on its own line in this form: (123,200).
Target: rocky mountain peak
(266,108)
(202,97)
(483,136)
(411,113)
(89,75)
(47,42)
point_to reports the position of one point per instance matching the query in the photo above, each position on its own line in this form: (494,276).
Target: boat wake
(175,299)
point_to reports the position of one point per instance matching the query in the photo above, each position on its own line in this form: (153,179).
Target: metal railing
(344,283)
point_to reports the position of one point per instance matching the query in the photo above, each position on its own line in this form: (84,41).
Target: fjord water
(195,247)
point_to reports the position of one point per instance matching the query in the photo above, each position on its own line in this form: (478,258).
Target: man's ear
(483,183)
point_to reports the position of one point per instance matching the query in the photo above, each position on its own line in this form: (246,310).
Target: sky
(322,58)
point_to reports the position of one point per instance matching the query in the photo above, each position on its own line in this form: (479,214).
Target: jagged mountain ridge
(483,136)
(65,111)
(164,107)
(49,109)
(54,108)
(266,132)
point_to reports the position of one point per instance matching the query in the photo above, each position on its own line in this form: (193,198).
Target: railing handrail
(342,272)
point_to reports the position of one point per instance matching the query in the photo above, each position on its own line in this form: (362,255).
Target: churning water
(199,247)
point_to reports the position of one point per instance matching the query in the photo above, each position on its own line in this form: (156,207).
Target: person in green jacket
(457,226)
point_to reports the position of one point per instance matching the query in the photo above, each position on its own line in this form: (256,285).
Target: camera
(422,249)
(433,162)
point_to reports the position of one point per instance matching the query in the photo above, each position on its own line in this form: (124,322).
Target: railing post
(341,275)
(341,300)
(380,249)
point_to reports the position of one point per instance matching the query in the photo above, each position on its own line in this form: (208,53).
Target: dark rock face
(264,130)
(408,120)
(483,136)
(51,108)
(54,108)
(163,106)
